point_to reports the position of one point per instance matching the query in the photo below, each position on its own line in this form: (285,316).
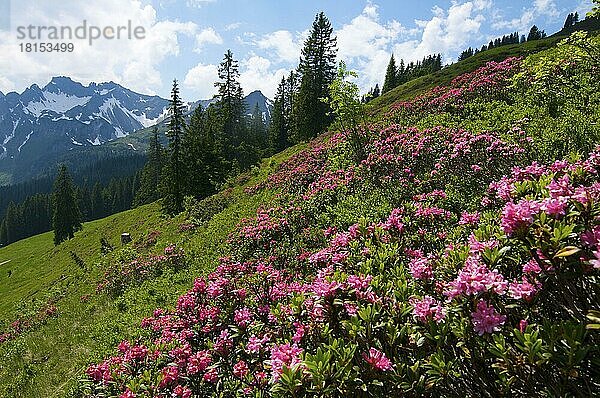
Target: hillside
(430,267)
(47,357)
(444,76)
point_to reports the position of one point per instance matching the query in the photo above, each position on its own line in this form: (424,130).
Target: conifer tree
(200,156)
(231,109)
(278,129)
(174,176)
(66,217)
(376,91)
(317,70)
(568,21)
(391,75)
(258,129)
(148,190)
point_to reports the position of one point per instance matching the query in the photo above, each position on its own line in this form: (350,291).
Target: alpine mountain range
(40,126)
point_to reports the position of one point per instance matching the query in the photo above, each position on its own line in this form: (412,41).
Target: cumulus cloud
(207,36)
(365,44)
(233,26)
(446,32)
(133,63)
(285,44)
(201,80)
(257,74)
(198,3)
(523,23)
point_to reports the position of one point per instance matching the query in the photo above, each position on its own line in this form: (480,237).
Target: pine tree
(199,156)
(174,176)
(391,75)
(149,182)
(568,21)
(317,70)
(231,109)
(575,17)
(258,129)
(66,218)
(376,91)
(534,33)
(278,129)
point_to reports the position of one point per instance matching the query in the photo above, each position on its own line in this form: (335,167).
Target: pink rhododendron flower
(428,308)
(170,374)
(240,369)
(127,394)
(485,319)
(523,325)
(469,218)
(476,277)
(198,362)
(420,268)
(243,317)
(285,354)
(377,360)
(182,392)
(523,290)
(517,217)
(211,376)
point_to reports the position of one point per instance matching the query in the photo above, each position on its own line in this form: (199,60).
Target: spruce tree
(391,76)
(376,91)
(568,21)
(278,132)
(534,34)
(66,218)
(199,156)
(174,176)
(231,109)
(317,70)
(148,190)
(258,129)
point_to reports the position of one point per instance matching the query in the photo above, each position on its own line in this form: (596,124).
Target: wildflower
(428,308)
(485,319)
(377,360)
(240,370)
(523,290)
(285,354)
(420,268)
(211,376)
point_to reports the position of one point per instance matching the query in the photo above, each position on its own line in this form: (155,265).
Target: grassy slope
(46,361)
(443,77)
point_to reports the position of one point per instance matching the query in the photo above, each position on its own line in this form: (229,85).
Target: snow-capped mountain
(66,113)
(40,125)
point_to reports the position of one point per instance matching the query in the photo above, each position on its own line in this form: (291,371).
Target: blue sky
(186,39)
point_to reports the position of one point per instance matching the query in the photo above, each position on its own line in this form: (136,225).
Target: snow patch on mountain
(11,135)
(55,102)
(25,142)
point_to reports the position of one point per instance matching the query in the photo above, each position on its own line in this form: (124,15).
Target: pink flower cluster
(485,319)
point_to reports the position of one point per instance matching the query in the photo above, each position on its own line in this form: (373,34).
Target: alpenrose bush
(127,268)
(490,82)
(432,300)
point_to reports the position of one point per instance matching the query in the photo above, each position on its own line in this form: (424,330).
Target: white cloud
(365,44)
(284,43)
(257,75)
(207,36)
(201,80)
(233,26)
(198,3)
(523,23)
(133,63)
(446,33)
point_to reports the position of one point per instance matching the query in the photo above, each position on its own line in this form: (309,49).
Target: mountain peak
(63,84)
